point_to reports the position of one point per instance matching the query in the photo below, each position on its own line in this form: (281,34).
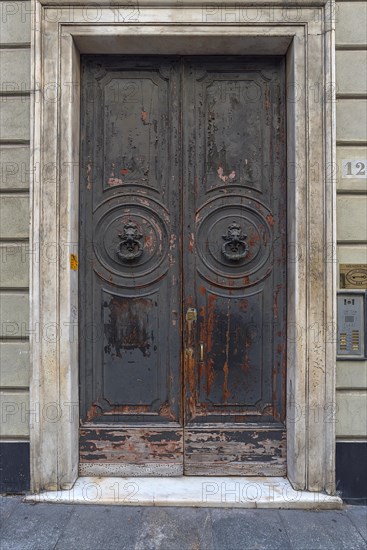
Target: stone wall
(351,377)
(351,87)
(15,52)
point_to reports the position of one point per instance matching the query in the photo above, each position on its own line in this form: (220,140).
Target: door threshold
(197,491)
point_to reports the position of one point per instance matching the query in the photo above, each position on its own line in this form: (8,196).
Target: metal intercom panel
(351,325)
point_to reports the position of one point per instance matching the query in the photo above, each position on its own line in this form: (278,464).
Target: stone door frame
(303,31)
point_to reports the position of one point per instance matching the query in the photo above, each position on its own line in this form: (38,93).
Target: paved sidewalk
(67,527)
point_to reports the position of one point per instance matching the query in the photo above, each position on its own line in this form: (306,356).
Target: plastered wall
(351,131)
(15,37)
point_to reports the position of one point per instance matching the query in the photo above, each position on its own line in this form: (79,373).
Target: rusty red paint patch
(267,98)
(226,392)
(165,410)
(224,177)
(114,181)
(127,328)
(275,301)
(93,412)
(270,220)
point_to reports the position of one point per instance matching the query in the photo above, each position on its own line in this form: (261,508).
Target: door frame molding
(303,31)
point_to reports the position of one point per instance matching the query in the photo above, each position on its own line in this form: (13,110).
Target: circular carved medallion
(234,241)
(131,240)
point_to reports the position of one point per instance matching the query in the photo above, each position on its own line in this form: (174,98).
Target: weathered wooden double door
(182,266)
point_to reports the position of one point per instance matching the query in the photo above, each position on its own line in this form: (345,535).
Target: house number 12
(354,168)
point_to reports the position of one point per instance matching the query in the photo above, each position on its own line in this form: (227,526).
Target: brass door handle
(201,351)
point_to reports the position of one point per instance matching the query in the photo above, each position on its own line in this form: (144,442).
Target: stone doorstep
(217,492)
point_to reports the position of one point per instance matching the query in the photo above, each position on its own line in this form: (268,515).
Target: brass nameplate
(353,276)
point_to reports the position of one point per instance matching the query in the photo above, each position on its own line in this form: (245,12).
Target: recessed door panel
(234,257)
(130,279)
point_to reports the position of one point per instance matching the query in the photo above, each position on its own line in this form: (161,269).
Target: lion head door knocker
(235,247)
(130,248)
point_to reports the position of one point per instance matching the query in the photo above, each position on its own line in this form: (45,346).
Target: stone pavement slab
(26,526)
(104,527)
(176,529)
(233,529)
(34,527)
(321,531)
(7,505)
(358,516)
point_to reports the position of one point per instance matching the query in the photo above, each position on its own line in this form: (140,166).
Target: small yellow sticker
(74,262)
